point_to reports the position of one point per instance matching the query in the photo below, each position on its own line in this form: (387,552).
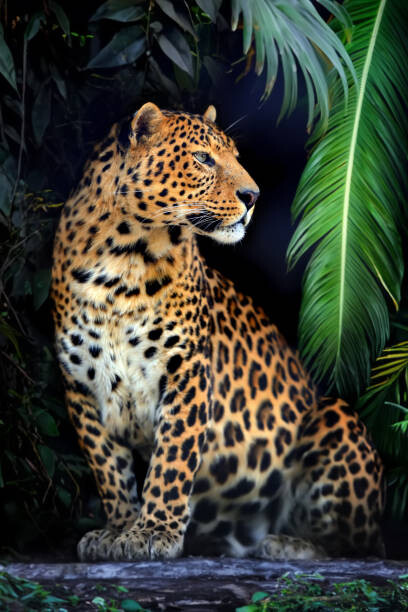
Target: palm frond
(384,410)
(384,405)
(292,34)
(350,202)
(392,363)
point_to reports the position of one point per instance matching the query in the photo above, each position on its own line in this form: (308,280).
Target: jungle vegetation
(68,70)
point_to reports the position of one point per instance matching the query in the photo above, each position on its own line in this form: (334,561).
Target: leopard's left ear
(146,121)
(210,114)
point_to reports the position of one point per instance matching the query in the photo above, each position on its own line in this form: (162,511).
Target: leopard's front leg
(112,465)
(159,529)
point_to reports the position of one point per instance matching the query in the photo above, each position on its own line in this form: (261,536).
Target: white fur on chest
(118,369)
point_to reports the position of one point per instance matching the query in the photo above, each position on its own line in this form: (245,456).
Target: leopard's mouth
(244,220)
(211,225)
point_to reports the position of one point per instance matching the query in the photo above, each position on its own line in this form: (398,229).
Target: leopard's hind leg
(282,547)
(337,486)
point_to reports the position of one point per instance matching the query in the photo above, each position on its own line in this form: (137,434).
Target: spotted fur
(161,355)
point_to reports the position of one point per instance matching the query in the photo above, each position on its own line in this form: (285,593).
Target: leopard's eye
(204,158)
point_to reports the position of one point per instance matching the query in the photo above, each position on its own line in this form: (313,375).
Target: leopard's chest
(121,361)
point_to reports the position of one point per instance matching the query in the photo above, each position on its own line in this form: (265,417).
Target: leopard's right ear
(146,122)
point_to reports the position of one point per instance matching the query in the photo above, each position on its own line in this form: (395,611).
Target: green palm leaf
(292,34)
(349,199)
(390,365)
(383,407)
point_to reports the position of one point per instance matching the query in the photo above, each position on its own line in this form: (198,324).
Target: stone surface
(197,584)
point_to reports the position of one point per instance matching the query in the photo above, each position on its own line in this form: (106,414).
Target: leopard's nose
(248,197)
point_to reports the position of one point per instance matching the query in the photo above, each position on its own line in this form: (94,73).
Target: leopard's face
(182,170)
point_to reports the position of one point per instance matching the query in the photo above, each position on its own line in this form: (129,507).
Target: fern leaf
(350,204)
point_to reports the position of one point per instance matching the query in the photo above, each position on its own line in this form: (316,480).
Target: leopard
(165,362)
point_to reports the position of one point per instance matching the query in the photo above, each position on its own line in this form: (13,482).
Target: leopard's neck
(129,265)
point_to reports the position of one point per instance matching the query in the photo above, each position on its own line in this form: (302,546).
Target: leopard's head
(180,169)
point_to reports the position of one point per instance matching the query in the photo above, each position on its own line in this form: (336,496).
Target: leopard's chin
(229,235)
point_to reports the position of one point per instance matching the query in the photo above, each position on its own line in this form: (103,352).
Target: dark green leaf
(51,599)
(10,333)
(53,405)
(258,596)
(41,286)
(41,112)
(58,80)
(130,605)
(6,190)
(6,61)
(183,80)
(12,133)
(210,7)
(13,104)
(8,172)
(119,10)
(184,22)
(46,424)
(162,80)
(124,48)
(175,46)
(65,496)
(4,154)
(61,17)
(21,279)
(34,25)
(48,458)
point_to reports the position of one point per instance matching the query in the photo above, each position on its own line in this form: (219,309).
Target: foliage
(294,33)
(298,593)
(384,408)
(19,593)
(39,475)
(312,592)
(14,591)
(350,200)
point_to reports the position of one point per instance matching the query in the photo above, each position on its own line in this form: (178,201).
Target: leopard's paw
(146,544)
(95,545)
(280,547)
